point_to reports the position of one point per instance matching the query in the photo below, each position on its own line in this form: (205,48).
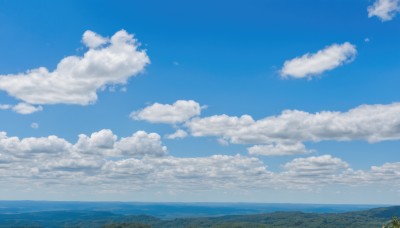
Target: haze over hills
(75,214)
(173,210)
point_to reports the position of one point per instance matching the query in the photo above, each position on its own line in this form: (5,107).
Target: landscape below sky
(172,210)
(177,215)
(275,101)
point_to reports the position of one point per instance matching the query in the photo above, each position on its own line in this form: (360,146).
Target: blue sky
(221,60)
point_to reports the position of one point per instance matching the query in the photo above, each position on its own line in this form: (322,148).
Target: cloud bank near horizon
(140,161)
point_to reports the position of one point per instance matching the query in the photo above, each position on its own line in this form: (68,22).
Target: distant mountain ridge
(174,210)
(75,218)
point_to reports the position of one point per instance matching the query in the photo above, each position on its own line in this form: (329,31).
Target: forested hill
(367,218)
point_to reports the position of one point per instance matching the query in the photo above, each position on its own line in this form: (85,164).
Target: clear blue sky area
(227,56)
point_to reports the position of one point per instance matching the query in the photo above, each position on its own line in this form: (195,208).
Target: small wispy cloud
(5,106)
(179,134)
(24,108)
(178,112)
(34,125)
(326,59)
(385,10)
(21,108)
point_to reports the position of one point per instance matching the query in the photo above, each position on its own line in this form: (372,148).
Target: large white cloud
(77,79)
(102,159)
(282,134)
(178,112)
(373,123)
(326,59)
(48,162)
(386,10)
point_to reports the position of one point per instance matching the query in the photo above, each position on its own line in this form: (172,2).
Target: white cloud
(49,162)
(217,171)
(386,10)
(388,172)
(179,134)
(373,123)
(321,166)
(142,144)
(93,40)
(34,125)
(283,134)
(313,171)
(32,147)
(105,143)
(137,161)
(24,108)
(278,149)
(180,111)
(140,162)
(5,106)
(220,125)
(222,142)
(76,79)
(326,59)
(101,142)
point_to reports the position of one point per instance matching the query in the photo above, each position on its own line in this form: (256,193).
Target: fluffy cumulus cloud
(105,143)
(102,159)
(278,149)
(202,173)
(178,134)
(76,79)
(178,112)
(93,40)
(385,10)
(141,144)
(283,134)
(29,148)
(326,59)
(320,167)
(389,172)
(373,123)
(313,172)
(105,162)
